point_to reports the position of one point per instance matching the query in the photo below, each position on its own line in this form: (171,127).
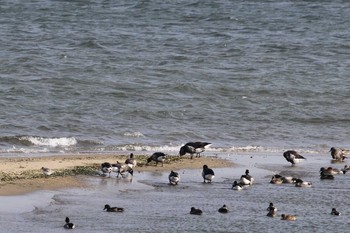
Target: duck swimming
(68,224)
(335,212)
(246,179)
(108,208)
(237,186)
(196,211)
(288,217)
(276,179)
(302,184)
(223,209)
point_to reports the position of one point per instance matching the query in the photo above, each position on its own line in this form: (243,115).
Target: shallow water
(151,205)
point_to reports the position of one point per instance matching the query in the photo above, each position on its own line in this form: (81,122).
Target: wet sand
(13,166)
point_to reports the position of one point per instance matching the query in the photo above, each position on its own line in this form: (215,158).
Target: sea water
(143,76)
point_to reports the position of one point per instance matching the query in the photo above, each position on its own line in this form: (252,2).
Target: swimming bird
(335,212)
(272,210)
(194,148)
(207,174)
(326,176)
(302,184)
(108,208)
(122,169)
(338,153)
(196,211)
(246,179)
(330,171)
(276,179)
(158,157)
(271,207)
(131,161)
(236,186)
(288,217)
(346,168)
(174,178)
(289,179)
(293,157)
(223,209)
(106,168)
(46,171)
(68,224)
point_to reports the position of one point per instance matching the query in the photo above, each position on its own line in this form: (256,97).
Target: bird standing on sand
(131,161)
(174,178)
(158,157)
(108,208)
(46,171)
(194,148)
(207,174)
(338,153)
(106,168)
(68,224)
(293,157)
(122,169)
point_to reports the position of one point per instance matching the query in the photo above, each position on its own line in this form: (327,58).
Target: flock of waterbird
(196,148)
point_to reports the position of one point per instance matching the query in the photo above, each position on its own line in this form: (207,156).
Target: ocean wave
(39,141)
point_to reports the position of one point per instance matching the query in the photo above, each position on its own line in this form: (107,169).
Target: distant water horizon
(94,76)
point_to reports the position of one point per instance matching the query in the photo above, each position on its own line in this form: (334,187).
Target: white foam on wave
(51,142)
(133,134)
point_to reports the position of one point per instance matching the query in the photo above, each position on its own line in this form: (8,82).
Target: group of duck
(107,208)
(195,149)
(126,168)
(337,154)
(272,211)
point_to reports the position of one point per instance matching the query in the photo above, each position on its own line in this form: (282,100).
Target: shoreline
(17,169)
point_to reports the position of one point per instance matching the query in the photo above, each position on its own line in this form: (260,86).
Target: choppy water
(151,75)
(151,205)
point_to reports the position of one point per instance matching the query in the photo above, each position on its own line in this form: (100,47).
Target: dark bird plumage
(338,153)
(131,161)
(293,157)
(122,169)
(194,148)
(196,211)
(174,178)
(158,157)
(108,208)
(223,209)
(246,179)
(106,168)
(335,212)
(207,174)
(68,224)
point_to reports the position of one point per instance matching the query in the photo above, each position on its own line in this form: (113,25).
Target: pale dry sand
(19,165)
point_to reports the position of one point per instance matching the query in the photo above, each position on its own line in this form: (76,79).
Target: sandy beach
(16,167)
